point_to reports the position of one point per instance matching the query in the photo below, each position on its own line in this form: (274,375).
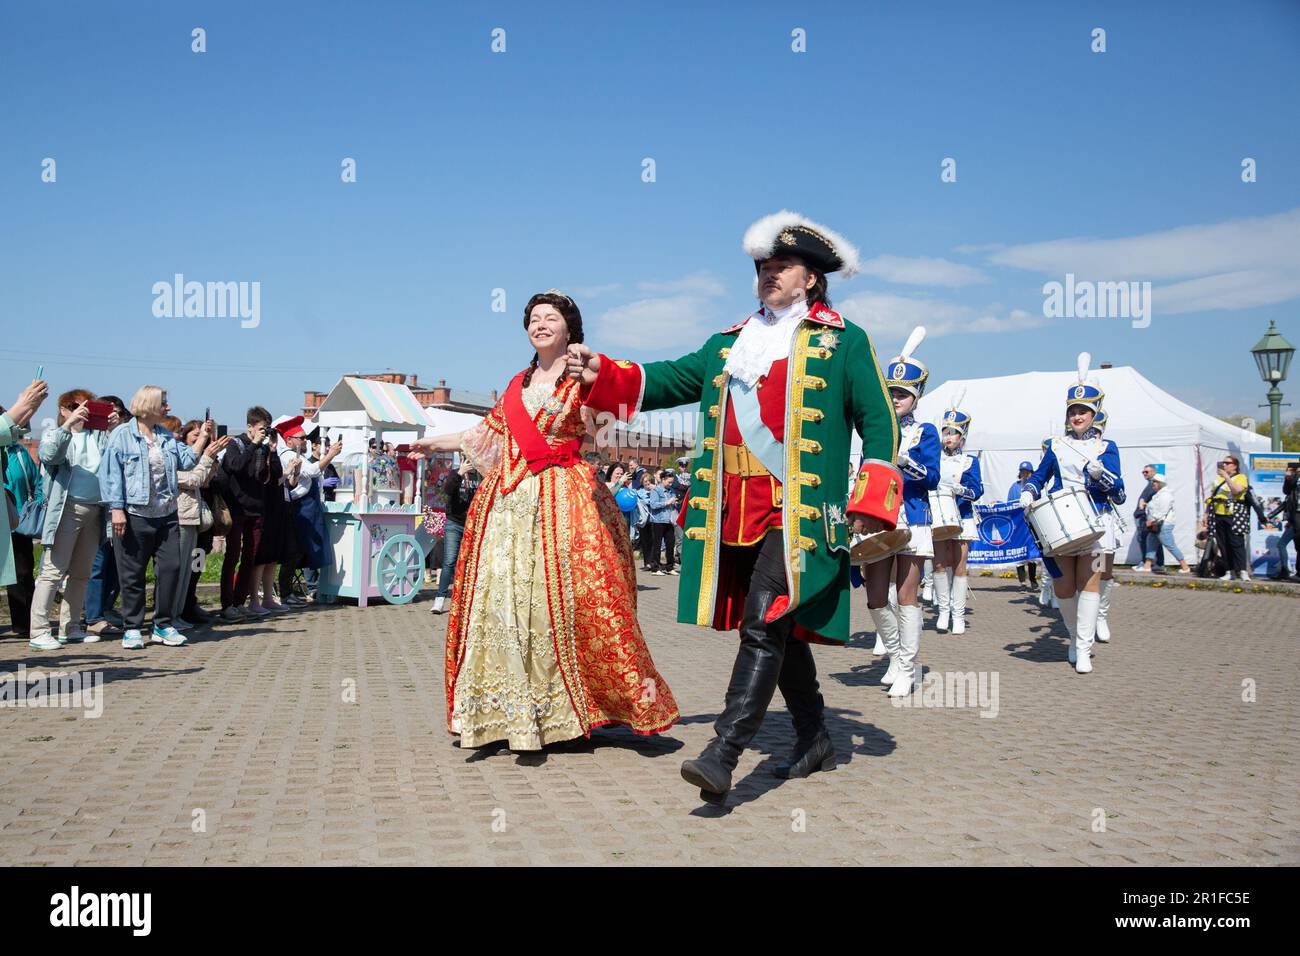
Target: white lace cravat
(764,339)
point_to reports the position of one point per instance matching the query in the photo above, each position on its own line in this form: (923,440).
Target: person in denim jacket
(74,520)
(137,479)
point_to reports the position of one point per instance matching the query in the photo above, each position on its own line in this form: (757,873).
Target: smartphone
(40,372)
(207,414)
(99,412)
(221,431)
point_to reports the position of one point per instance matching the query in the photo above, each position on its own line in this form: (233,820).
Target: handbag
(205,516)
(31,520)
(222,521)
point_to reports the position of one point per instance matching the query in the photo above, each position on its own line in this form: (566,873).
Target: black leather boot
(813,749)
(753,682)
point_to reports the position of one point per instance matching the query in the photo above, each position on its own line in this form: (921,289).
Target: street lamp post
(1273,357)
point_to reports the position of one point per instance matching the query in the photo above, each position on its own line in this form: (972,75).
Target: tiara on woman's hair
(559,293)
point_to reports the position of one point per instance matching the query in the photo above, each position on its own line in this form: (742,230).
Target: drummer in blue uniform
(959,471)
(1080,459)
(918,460)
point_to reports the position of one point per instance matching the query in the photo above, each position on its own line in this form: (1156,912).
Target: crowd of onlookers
(105,502)
(650,500)
(120,486)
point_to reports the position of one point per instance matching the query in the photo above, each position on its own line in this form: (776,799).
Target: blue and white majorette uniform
(919,450)
(899,625)
(960,471)
(1090,462)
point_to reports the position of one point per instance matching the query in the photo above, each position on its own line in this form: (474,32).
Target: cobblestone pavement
(245,736)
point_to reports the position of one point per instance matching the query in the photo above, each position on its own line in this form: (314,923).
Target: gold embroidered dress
(543,642)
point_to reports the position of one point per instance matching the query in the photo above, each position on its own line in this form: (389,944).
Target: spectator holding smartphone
(102,591)
(74,520)
(199,436)
(12,424)
(251,473)
(663,519)
(137,479)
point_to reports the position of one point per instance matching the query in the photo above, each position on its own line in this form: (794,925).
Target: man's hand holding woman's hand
(582,364)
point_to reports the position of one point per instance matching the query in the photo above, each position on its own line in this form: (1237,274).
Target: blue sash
(758,437)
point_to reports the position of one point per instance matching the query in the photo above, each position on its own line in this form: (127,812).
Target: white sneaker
(1226,577)
(90,638)
(439,605)
(1246,577)
(46,643)
(1084,664)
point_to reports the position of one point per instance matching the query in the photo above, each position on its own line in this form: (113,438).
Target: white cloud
(701,283)
(922,271)
(890,318)
(653,324)
(675,314)
(1235,264)
(596,291)
(1230,290)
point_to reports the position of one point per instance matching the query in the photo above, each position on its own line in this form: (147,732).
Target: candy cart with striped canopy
(373,523)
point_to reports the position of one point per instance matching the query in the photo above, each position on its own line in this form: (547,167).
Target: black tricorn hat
(789,233)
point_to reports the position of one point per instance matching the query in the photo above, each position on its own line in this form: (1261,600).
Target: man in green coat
(767,528)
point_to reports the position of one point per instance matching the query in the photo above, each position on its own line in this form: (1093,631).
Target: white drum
(1066,522)
(945,518)
(870,548)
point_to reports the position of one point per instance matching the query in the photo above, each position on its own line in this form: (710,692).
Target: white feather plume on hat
(958,396)
(760,239)
(913,343)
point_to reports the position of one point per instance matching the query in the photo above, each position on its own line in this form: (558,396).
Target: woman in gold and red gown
(543,642)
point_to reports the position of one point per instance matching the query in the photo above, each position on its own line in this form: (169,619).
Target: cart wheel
(398,569)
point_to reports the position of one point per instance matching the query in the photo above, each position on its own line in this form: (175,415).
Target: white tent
(1012,414)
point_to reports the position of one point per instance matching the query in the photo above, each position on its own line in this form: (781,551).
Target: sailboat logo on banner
(995,530)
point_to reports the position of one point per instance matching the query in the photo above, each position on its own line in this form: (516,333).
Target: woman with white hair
(1160,522)
(137,480)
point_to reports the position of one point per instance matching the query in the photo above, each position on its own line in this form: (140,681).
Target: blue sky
(523,170)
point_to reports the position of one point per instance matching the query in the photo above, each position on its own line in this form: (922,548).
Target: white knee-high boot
(959,604)
(1089,603)
(1103,611)
(909,644)
(942,599)
(1070,617)
(927,581)
(887,633)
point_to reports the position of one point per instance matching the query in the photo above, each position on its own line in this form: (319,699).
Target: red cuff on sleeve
(878,492)
(617,389)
